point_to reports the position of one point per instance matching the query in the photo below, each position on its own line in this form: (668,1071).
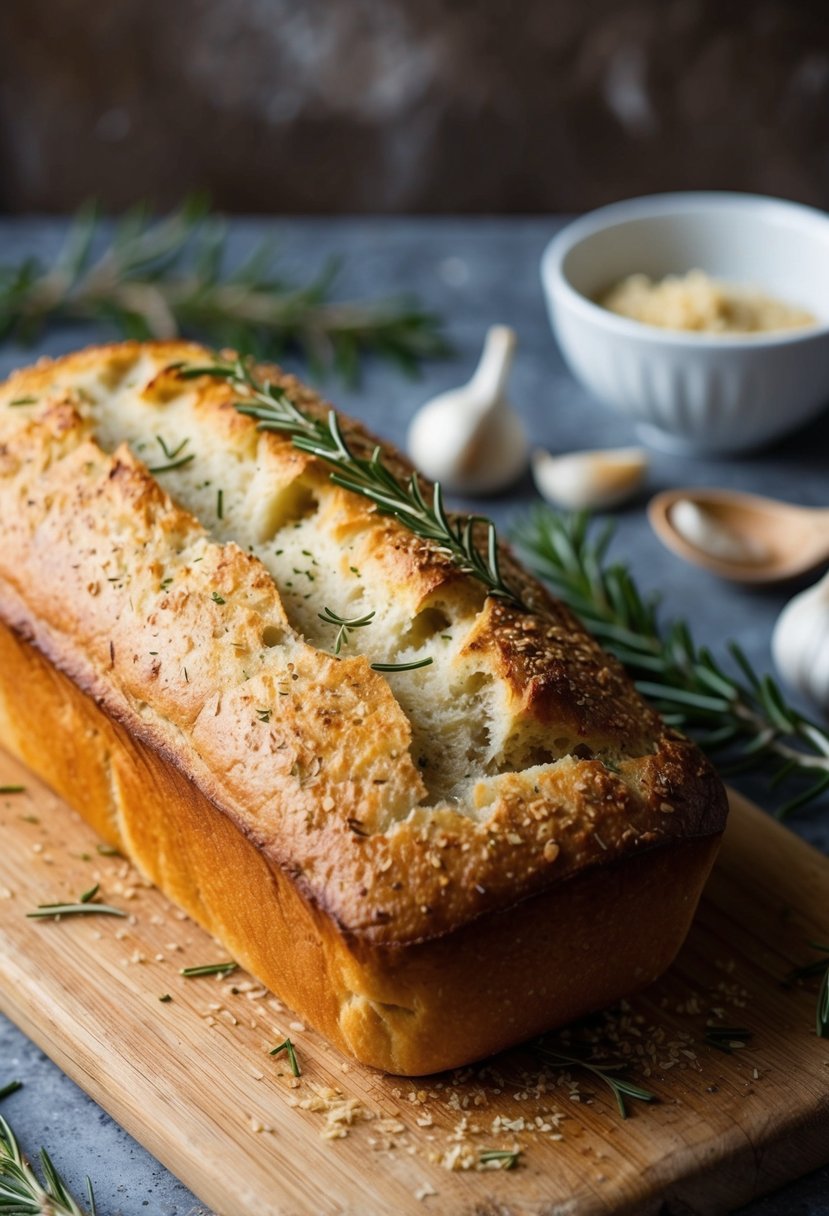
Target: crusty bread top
(404,804)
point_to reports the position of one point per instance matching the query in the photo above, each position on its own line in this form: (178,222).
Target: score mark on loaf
(429,864)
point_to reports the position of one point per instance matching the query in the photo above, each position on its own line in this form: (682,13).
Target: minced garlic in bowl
(698,303)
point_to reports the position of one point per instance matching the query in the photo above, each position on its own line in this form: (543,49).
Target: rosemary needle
(817,967)
(413,666)
(287,1046)
(507,1159)
(7,1090)
(172,464)
(12,789)
(727,1038)
(171,453)
(822,1011)
(209,969)
(44,911)
(345,625)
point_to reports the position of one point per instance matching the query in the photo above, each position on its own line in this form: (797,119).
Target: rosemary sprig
(209,969)
(274,410)
(157,278)
(287,1046)
(743,720)
(21,1191)
(345,625)
(819,967)
(620,1086)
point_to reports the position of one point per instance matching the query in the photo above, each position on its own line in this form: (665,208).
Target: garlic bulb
(470,439)
(583,481)
(703,529)
(800,643)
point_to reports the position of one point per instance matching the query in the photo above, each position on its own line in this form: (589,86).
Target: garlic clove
(584,481)
(470,439)
(800,644)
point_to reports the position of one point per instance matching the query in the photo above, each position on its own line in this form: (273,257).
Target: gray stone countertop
(474,273)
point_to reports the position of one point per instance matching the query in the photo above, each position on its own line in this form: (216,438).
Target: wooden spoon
(780,540)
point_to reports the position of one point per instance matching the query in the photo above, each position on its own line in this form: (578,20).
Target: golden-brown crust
(575,947)
(325,785)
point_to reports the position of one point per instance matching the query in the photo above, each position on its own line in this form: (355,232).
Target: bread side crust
(410,1009)
(334,800)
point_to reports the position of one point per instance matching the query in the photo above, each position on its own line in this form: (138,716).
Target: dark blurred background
(410,105)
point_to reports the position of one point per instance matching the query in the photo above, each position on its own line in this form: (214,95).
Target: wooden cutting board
(192,1080)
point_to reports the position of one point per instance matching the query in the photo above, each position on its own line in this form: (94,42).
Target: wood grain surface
(191,1077)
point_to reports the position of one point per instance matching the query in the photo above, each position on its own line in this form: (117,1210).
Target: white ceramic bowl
(693,392)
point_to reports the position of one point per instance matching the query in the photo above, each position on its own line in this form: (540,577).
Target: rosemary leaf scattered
(158,278)
(822,1009)
(808,971)
(22,401)
(90,894)
(108,850)
(44,911)
(172,464)
(506,1159)
(742,719)
(21,1191)
(287,1046)
(345,625)
(457,538)
(171,453)
(7,1090)
(413,666)
(12,789)
(727,1038)
(209,969)
(620,1086)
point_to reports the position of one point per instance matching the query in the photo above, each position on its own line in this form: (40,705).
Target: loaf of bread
(428,865)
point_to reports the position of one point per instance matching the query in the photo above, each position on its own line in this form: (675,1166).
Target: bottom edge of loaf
(413,1010)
